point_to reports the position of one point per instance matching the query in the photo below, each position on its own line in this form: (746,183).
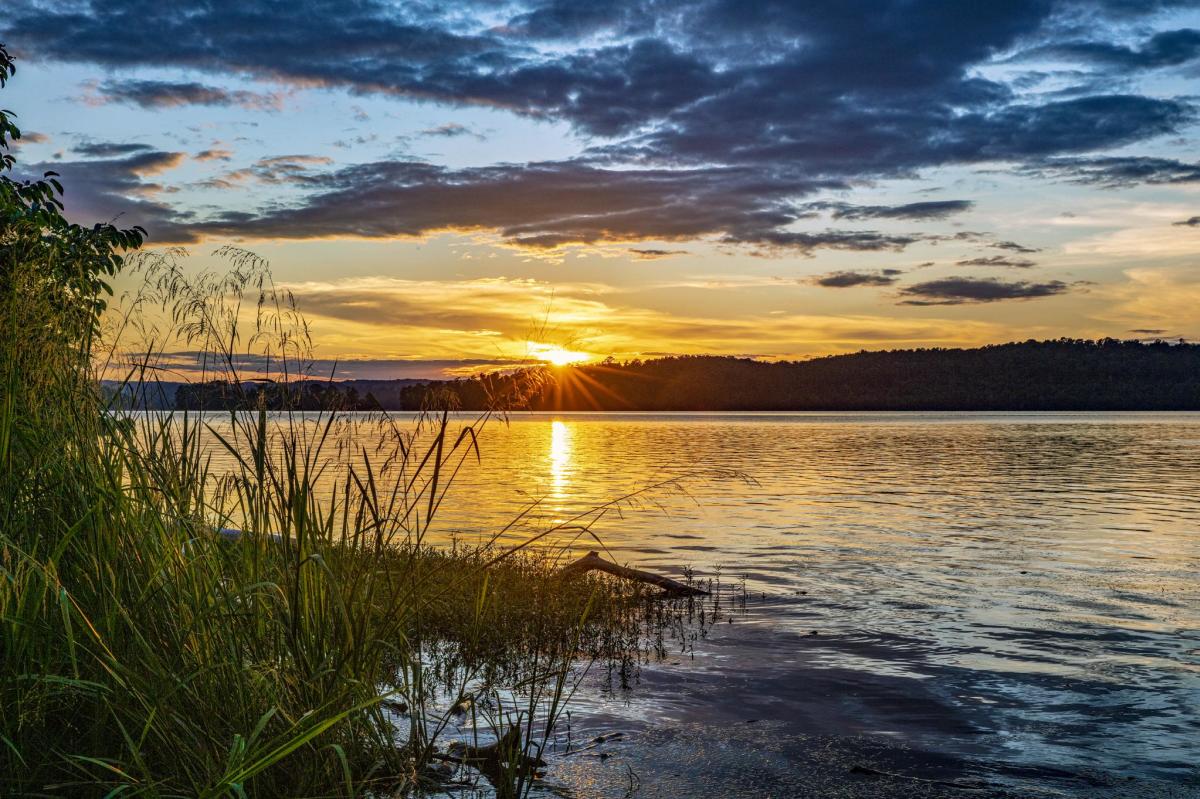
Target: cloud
(1115,171)
(213,155)
(1012,246)
(451,130)
(1193,221)
(840,280)
(538,206)
(154,94)
(901,134)
(720,82)
(116,190)
(963,290)
(108,149)
(152,163)
(376,47)
(30,137)
(998,260)
(547,205)
(922,211)
(854,240)
(699,120)
(274,170)
(1163,49)
(653,254)
(557,21)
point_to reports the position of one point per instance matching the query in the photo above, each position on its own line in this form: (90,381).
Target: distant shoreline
(1066,375)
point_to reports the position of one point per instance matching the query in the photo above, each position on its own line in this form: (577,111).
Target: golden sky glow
(987,179)
(596,305)
(556,355)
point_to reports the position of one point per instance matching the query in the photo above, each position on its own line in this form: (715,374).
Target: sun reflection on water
(560,458)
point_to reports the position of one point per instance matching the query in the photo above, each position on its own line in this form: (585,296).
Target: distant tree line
(359,395)
(1063,374)
(301,395)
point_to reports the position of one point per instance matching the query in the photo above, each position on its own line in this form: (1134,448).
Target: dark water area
(1006,602)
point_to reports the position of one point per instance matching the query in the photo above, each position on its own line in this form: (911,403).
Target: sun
(556,355)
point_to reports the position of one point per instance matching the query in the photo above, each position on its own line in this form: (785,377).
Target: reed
(331,650)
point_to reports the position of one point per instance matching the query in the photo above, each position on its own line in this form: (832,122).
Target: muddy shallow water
(1006,601)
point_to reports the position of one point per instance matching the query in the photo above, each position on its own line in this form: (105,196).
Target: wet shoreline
(752,711)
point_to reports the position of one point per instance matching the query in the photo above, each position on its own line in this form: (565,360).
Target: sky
(456,186)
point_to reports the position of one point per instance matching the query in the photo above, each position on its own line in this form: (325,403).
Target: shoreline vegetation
(331,651)
(1056,375)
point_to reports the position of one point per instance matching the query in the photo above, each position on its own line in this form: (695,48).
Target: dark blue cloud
(708,118)
(653,254)
(170,94)
(785,68)
(968,290)
(1013,246)
(1114,171)
(545,205)
(1164,49)
(450,130)
(998,260)
(119,188)
(850,279)
(923,211)
(108,149)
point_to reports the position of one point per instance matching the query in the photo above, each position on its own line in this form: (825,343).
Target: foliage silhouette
(1057,375)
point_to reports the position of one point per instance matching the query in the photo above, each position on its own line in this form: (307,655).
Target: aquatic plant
(327,648)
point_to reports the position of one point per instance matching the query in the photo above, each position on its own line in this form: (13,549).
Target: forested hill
(1033,375)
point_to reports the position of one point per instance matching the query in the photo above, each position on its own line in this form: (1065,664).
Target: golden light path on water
(561,467)
(561,456)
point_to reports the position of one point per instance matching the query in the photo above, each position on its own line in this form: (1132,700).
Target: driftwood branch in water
(593,562)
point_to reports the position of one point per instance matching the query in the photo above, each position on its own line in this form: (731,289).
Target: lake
(1011,598)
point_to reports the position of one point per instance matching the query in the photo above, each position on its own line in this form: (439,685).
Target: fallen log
(593,562)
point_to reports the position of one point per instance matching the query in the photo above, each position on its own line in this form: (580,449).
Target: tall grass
(329,649)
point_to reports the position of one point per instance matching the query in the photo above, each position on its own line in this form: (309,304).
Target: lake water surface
(1011,598)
